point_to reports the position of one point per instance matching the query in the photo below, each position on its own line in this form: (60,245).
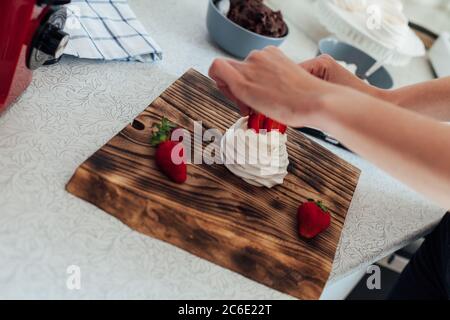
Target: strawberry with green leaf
(168,152)
(313,219)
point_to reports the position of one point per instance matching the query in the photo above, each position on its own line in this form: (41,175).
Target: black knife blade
(323,136)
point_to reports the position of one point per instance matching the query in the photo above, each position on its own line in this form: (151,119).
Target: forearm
(430,98)
(410,147)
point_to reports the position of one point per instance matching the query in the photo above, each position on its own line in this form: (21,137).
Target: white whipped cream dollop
(259,159)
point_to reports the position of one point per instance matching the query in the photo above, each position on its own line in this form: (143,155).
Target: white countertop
(73,108)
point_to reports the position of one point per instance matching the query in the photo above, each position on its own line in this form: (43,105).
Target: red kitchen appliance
(31,34)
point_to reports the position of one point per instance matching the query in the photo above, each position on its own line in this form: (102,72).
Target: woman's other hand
(270,83)
(326,68)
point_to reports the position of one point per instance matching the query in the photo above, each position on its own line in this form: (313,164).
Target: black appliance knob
(50,41)
(54,41)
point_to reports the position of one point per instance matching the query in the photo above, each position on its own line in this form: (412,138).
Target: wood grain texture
(216,215)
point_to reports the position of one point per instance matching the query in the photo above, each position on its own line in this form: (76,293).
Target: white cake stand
(355,32)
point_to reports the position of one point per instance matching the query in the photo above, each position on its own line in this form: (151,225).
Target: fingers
(229,77)
(225,74)
(222,72)
(267,54)
(252,84)
(309,65)
(226,92)
(275,51)
(321,67)
(232,74)
(243,108)
(314,67)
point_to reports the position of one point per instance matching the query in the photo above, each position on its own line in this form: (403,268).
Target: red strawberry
(163,158)
(313,218)
(256,121)
(270,124)
(167,152)
(282,128)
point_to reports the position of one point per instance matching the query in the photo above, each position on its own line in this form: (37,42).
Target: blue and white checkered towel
(108,30)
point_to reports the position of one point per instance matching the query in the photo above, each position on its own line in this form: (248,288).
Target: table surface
(73,108)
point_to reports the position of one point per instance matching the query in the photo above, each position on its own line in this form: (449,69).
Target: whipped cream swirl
(259,159)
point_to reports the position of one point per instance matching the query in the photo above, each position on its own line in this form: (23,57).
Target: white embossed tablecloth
(73,108)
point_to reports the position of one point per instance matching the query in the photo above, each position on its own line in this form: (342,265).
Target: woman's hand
(326,68)
(270,83)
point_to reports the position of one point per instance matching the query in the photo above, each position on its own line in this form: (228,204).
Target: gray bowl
(233,38)
(344,52)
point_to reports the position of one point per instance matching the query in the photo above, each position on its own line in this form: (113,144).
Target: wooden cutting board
(216,215)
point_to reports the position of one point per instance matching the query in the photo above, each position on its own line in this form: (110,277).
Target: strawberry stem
(322,206)
(319,204)
(161,131)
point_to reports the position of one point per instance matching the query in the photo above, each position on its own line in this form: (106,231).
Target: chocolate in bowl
(255,16)
(234,38)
